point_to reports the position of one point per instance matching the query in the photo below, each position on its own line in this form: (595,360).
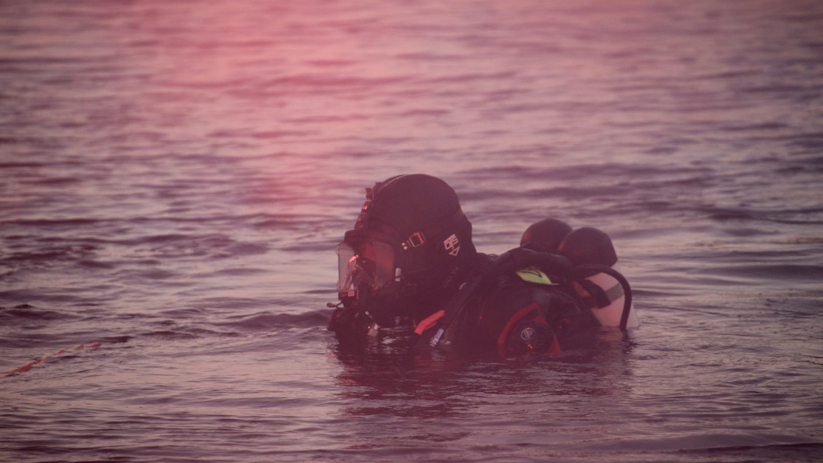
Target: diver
(409,266)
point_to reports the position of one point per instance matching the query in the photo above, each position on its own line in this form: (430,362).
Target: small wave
(588,171)
(246,249)
(324,83)
(809,141)
(429,56)
(311,246)
(771,272)
(154,274)
(179,245)
(76,222)
(268,320)
(755,127)
(466,78)
(115,339)
(53,181)
(333,63)
(17,165)
(183,313)
(805,451)
(29,312)
(786,216)
(89,263)
(263,135)
(171,334)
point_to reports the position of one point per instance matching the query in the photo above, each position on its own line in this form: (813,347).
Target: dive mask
(365,264)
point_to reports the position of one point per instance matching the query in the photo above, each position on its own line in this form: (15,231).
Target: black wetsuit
(511,317)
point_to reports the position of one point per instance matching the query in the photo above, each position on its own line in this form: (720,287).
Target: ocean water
(175,176)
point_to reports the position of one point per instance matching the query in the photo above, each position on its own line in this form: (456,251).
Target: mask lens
(346,260)
(370,262)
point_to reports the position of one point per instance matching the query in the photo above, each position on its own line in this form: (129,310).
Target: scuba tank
(591,270)
(545,236)
(597,280)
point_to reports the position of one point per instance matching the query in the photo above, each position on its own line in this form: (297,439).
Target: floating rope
(26,367)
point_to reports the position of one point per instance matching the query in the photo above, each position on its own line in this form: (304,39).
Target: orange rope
(26,367)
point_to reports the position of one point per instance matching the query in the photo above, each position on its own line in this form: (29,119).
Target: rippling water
(175,177)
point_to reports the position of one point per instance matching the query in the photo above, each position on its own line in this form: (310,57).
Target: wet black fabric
(478,328)
(410,202)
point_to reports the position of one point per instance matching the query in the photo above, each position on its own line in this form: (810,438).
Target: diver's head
(409,251)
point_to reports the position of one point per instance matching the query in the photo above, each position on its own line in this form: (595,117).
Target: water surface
(175,178)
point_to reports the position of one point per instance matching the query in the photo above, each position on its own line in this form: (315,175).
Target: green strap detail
(534,275)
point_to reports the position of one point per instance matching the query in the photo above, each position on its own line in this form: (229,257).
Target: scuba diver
(409,266)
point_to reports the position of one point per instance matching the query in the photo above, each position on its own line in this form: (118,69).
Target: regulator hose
(624,283)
